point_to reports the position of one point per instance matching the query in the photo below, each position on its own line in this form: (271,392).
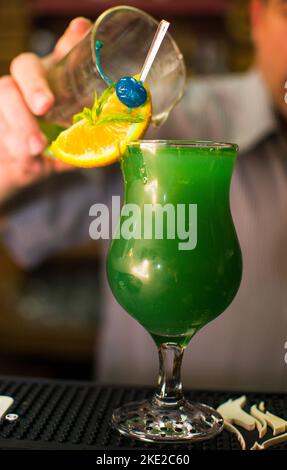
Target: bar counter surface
(60,415)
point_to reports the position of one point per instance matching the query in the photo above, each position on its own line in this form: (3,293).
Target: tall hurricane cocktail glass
(176,278)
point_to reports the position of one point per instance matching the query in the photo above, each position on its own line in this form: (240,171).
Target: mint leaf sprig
(92,114)
(104,97)
(120,117)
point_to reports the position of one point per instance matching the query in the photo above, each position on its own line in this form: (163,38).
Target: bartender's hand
(25,94)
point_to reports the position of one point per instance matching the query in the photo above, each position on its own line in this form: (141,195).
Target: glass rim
(108,11)
(177,143)
(115,8)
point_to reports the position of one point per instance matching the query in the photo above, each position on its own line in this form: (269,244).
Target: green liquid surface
(172,292)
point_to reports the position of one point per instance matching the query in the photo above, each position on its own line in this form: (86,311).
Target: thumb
(77,30)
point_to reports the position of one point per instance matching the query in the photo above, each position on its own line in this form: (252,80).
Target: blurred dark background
(49,315)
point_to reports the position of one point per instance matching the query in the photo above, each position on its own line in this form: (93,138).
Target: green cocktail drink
(174,265)
(173,292)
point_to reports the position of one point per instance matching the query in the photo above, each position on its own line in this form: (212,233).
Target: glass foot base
(181,422)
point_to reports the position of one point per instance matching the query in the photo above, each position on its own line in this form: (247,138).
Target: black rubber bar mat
(77,415)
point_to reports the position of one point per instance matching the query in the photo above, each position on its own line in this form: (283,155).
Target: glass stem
(169,383)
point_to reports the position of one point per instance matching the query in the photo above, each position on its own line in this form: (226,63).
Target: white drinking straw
(155,45)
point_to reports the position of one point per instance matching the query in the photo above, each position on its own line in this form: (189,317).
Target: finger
(37,165)
(29,74)
(12,173)
(3,125)
(42,166)
(46,165)
(22,137)
(24,177)
(76,30)
(60,166)
(24,173)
